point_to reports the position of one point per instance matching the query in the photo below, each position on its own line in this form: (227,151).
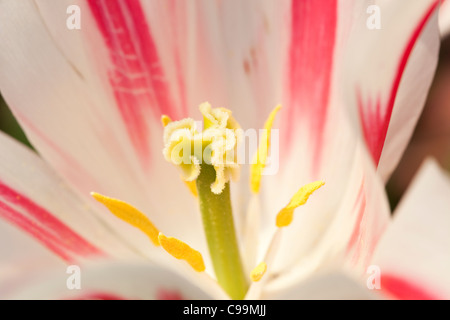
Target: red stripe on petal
(73,171)
(166,294)
(312,44)
(32,218)
(99,296)
(46,238)
(375,123)
(359,208)
(402,289)
(136,77)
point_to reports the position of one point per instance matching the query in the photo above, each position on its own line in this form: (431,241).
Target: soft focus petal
(73,107)
(36,200)
(320,237)
(22,259)
(324,145)
(334,286)
(413,255)
(389,72)
(124,280)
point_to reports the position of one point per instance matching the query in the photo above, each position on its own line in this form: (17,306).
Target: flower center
(207,161)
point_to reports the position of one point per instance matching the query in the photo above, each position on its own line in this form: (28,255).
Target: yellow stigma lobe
(261,156)
(258,272)
(285,216)
(216,145)
(128,213)
(180,250)
(165,120)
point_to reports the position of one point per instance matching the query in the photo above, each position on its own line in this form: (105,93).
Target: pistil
(220,233)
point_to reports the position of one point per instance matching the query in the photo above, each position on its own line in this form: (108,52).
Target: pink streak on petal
(375,124)
(313,39)
(136,75)
(178,53)
(165,294)
(354,242)
(402,289)
(99,296)
(47,239)
(73,170)
(43,226)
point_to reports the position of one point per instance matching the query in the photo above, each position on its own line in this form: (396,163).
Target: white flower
(91,100)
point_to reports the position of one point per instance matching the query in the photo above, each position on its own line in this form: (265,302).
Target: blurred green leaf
(9,124)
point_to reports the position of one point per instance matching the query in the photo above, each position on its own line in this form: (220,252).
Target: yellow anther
(260,159)
(180,250)
(129,214)
(165,120)
(285,216)
(258,272)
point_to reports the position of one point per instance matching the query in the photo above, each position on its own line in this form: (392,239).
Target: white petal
(333,286)
(416,248)
(121,280)
(22,259)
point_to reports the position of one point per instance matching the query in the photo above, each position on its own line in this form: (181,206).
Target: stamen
(285,216)
(180,250)
(192,186)
(261,156)
(165,120)
(258,272)
(129,214)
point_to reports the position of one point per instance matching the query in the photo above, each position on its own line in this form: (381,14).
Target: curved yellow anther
(259,162)
(258,272)
(165,120)
(180,250)
(192,186)
(128,213)
(285,216)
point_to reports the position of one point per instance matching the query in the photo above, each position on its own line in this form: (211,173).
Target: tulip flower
(103,190)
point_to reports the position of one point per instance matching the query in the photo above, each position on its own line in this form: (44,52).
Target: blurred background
(431,137)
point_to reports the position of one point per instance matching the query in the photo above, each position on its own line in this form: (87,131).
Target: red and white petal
(228,52)
(333,286)
(414,253)
(388,73)
(120,281)
(95,95)
(316,141)
(346,232)
(318,32)
(22,259)
(84,120)
(34,199)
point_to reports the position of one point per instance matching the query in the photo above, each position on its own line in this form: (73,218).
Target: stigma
(188,148)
